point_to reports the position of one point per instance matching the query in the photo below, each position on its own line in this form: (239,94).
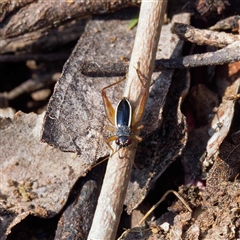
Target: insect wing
(123,113)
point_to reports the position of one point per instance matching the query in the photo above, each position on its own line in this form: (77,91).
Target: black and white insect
(124,119)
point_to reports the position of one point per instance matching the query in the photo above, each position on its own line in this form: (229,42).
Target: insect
(124,119)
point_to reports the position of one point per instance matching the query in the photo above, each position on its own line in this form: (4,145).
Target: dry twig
(154,207)
(228,54)
(31,85)
(232,22)
(204,37)
(110,203)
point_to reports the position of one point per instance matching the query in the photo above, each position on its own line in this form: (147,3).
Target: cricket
(124,119)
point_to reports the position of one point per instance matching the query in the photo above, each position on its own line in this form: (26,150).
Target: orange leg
(136,137)
(109,110)
(136,128)
(112,138)
(139,110)
(111,128)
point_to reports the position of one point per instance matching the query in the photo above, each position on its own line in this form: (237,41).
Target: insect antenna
(103,160)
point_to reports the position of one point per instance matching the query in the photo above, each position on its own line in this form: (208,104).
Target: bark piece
(8,6)
(24,21)
(42,41)
(222,120)
(35,178)
(77,216)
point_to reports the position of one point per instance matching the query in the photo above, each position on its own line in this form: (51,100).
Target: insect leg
(138,112)
(112,138)
(136,128)
(111,128)
(110,112)
(136,137)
